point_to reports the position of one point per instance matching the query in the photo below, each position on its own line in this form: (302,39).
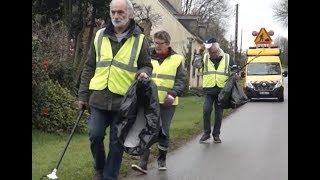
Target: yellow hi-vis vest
(115,72)
(164,75)
(213,76)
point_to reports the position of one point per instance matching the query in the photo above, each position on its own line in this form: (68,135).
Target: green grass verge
(77,163)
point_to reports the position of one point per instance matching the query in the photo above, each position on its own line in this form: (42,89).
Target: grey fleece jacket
(105,99)
(180,79)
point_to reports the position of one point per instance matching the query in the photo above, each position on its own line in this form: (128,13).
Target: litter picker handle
(52,175)
(249,61)
(70,137)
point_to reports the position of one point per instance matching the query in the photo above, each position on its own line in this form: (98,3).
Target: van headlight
(249,85)
(279,84)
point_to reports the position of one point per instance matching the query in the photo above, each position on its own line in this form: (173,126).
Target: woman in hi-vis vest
(169,75)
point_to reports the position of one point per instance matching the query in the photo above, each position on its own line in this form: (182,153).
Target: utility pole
(240,48)
(236,36)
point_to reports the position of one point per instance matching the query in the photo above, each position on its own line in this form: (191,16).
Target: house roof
(178,16)
(182,16)
(169,7)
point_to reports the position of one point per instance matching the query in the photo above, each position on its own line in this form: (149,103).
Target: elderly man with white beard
(119,55)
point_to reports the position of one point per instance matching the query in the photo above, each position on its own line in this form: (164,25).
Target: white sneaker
(162,165)
(139,169)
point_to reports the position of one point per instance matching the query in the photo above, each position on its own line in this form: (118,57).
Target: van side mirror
(285,73)
(242,74)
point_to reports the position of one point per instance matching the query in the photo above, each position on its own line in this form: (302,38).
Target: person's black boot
(216,139)
(143,165)
(98,175)
(162,160)
(204,138)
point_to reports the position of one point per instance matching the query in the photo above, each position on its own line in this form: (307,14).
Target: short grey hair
(216,45)
(129,8)
(164,35)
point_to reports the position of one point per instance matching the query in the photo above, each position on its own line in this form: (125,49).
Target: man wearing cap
(217,67)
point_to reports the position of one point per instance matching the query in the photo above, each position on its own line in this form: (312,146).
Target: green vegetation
(53,103)
(77,163)
(285,66)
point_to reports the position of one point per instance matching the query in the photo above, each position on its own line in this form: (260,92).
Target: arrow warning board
(263,37)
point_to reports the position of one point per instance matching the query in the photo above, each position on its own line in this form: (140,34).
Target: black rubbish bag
(225,93)
(238,97)
(138,124)
(232,95)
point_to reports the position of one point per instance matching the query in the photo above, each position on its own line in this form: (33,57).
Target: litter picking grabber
(238,70)
(258,55)
(53,175)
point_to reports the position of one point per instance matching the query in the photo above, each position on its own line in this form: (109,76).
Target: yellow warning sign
(263,37)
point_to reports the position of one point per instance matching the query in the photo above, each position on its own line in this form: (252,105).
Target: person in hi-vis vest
(119,55)
(170,77)
(216,66)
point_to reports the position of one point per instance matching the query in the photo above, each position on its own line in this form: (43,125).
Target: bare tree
(282,43)
(186,9)
(281,12)
(212,10)
(213,13)
(146,18)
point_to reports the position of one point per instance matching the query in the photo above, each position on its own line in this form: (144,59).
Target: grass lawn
(77,163)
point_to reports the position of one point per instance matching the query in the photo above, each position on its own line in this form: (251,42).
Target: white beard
(120,23)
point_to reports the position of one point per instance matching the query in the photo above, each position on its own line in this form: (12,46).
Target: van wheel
(281,99)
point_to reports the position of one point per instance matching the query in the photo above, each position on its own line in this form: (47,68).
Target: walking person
(217,67)
(118,56)
(170,78)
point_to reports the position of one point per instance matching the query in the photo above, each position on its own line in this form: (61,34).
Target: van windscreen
(264,68)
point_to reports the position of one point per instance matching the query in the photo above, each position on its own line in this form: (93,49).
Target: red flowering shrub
(45,65)
(44,112)
(58,110)
(53,106)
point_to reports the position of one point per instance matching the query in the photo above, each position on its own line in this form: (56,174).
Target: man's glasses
(159,43)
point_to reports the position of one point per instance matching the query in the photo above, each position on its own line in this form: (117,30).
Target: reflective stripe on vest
(213,76)
(164,75)
(115,72)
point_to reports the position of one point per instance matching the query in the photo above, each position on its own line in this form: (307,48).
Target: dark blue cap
(208,43)
(210,40)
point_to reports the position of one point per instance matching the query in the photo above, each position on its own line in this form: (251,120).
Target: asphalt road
(254,147)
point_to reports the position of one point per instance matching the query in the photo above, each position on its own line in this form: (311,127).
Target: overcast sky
(252,15)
